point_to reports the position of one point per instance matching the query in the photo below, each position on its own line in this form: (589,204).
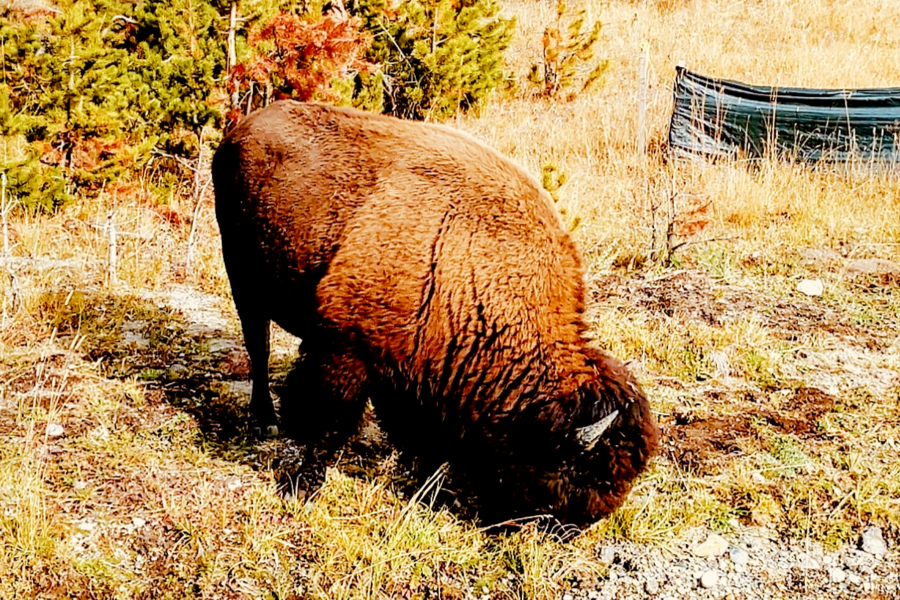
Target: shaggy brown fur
(424,270)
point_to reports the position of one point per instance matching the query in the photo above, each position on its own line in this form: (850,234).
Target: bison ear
(589,435)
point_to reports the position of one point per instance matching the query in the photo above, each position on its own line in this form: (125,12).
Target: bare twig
(4,209)
(192,235)
(111,247)
(680,245)
(45,263)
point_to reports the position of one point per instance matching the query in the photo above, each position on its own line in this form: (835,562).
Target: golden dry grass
(779,410)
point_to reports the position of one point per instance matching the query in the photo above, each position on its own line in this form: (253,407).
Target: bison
(426,272)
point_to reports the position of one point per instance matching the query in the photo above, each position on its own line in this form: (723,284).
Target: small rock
(607,555)
(811,287)
(177,371)
(54,430)
(138,522)
(87,525)
(652,587)
(739,569)
(739,556)
(709,579)
(234,484)
(837,575)
(715,545)
(819,257)
(80,484)
(272,431)
(872,266)
(873,542)
(567,597)
(808,562)
(854,578)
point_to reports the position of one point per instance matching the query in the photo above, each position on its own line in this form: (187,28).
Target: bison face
(614,437)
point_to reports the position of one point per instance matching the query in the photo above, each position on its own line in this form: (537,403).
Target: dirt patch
(695,444)
(801,415)
(693,296)
(684,294)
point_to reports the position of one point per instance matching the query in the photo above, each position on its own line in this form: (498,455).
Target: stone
(709,579)
(234,484)
(607,555)
(739,556)
(872,266)
(87,525)
(873,542)
(652,587)
(808,562)
(837,575)
(811,287)
(819,257)
(759,478)
(54,430)
(138,522)
(715,545)
(177,371)
(854,578)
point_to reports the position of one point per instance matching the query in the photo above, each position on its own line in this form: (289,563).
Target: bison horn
(588,436)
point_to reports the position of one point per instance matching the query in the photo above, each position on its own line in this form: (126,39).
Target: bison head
(596,456)
(614,436)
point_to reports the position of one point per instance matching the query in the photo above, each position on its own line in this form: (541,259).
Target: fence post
(112,277)
(642,98)
(5,210)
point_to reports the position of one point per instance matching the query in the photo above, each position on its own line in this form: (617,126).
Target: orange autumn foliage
(300,58)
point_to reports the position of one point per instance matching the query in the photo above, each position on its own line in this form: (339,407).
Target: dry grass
(779,410)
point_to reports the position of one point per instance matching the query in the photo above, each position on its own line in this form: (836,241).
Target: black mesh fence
(717,117)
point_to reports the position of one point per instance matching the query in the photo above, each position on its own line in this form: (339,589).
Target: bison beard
(423,270)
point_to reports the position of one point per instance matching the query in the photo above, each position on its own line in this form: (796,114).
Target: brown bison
(425,271)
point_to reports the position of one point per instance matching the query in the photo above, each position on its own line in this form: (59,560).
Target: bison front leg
(322,405)
(324,394)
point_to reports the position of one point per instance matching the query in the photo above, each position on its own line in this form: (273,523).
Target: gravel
(756,566)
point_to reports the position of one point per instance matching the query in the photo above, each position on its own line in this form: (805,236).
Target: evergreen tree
(68,93)
(181,47)
(437,56)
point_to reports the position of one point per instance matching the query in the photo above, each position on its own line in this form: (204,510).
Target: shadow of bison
(425,271)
